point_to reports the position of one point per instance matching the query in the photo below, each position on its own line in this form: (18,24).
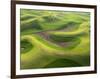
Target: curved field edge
(44,49)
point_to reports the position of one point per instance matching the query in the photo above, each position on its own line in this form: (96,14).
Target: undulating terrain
(54,39)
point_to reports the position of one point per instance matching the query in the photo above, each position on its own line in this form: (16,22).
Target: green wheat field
(54,39)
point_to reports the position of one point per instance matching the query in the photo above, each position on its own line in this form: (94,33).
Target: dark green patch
(62,63)
(25,46)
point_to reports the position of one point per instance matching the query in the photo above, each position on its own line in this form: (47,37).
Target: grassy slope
(44,53)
